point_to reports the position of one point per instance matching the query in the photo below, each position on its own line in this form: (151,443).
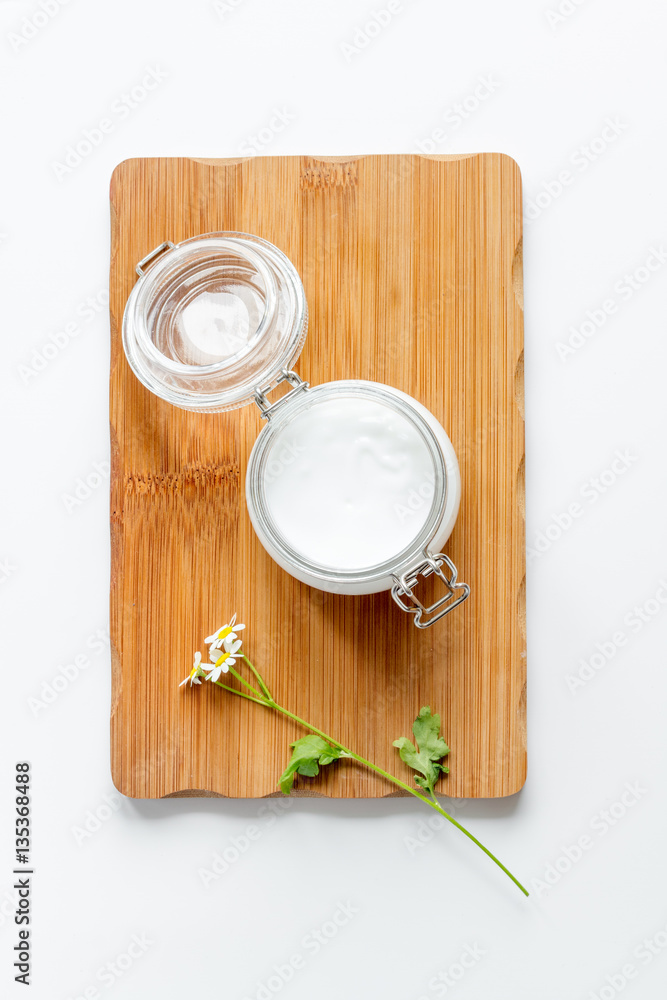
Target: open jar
(353,487)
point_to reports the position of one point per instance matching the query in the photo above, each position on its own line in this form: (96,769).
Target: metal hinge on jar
(403,589)
(286,375)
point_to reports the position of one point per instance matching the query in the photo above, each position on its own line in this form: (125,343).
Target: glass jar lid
(214,320)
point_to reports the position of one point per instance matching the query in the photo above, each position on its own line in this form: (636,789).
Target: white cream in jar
(347,483)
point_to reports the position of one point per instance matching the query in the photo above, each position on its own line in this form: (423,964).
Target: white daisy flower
(226,632)
(223,659)
(196,672)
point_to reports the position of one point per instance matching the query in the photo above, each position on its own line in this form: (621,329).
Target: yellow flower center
(222,659)
(224,632)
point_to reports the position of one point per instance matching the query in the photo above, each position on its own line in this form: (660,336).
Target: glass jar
(216,317)
(352,487)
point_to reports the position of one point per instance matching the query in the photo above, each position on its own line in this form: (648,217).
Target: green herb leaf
(308,753)
(430,749)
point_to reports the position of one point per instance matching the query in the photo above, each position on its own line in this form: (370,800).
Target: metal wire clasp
(403,588)
(167,245)
(286,375)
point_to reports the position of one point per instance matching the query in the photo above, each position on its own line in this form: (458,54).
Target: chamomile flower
(226,632)
(196,673)
(223,658)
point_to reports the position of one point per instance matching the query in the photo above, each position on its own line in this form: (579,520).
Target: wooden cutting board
(412,272)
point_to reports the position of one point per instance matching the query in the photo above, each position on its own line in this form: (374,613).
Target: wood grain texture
(412,272)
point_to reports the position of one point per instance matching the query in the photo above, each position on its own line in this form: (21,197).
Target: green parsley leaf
(426,756)
(308,754)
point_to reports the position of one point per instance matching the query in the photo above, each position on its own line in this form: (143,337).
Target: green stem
(242,694)
(234,673)
(259,678)
(268,702)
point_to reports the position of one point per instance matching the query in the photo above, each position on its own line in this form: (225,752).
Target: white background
(417,907)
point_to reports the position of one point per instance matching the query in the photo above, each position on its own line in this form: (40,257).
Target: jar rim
(260,510)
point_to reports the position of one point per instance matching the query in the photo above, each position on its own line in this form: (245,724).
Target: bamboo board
(412,272)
